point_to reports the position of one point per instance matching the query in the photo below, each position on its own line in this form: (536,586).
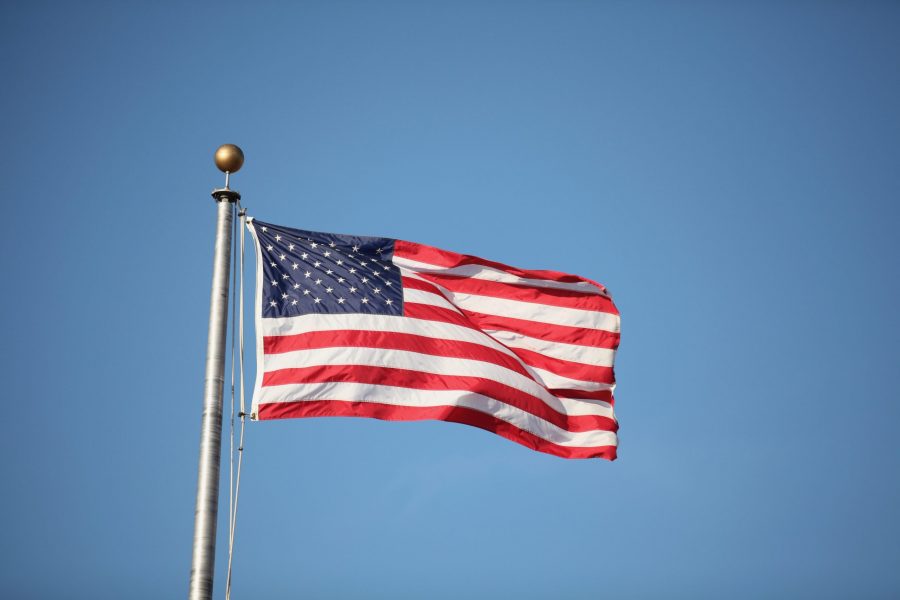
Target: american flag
(390,329)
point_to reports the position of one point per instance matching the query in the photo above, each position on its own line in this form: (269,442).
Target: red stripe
(390,340)
(522,293)
(445,258)
(605,395)
(455,414)
(420,380)
(566,368)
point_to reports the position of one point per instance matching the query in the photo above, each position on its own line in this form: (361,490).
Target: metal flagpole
(229,159)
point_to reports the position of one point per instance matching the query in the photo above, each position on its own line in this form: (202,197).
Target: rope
(234,230)
(235,481)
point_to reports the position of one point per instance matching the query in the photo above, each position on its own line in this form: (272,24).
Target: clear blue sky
(731,171)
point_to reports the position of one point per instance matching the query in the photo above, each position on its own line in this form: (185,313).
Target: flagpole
(229,159)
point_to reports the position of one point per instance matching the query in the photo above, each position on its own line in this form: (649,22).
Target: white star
(274,282)
(304,256)
(377,290)
(283,256)
(308,274)
(388,301)
(272,264)
(365,280)
(332,244)
(314,245)
(340,262)
(316,300)
(329,272)
(375,273)
(328,290)
(316,264)
(352,290)
(389,283)
(340,280)
(318,281)
(284,296)
(293,302)
(270,247)
(353,270)
(365,300)
(273,303)
(362,263)
(296,266)
(291,247)
(306,292)
(265,229)
(341,300)
(356,248)
(326,254)
(285,276)
(380,250)
(277,238)
(296,285)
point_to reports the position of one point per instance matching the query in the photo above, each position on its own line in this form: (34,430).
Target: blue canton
(308,272)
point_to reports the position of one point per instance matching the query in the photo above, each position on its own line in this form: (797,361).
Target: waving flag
(389,329)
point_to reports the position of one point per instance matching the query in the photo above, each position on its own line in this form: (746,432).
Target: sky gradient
(731,171)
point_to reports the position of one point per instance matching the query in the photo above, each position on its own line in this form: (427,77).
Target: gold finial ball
(229,158)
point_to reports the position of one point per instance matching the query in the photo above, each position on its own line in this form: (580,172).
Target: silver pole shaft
(207,507)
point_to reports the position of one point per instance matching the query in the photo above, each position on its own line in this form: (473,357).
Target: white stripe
(580,406)
(430,298)
(586,355)
(554,381)
(428,363)
(399,396)
(492,274)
